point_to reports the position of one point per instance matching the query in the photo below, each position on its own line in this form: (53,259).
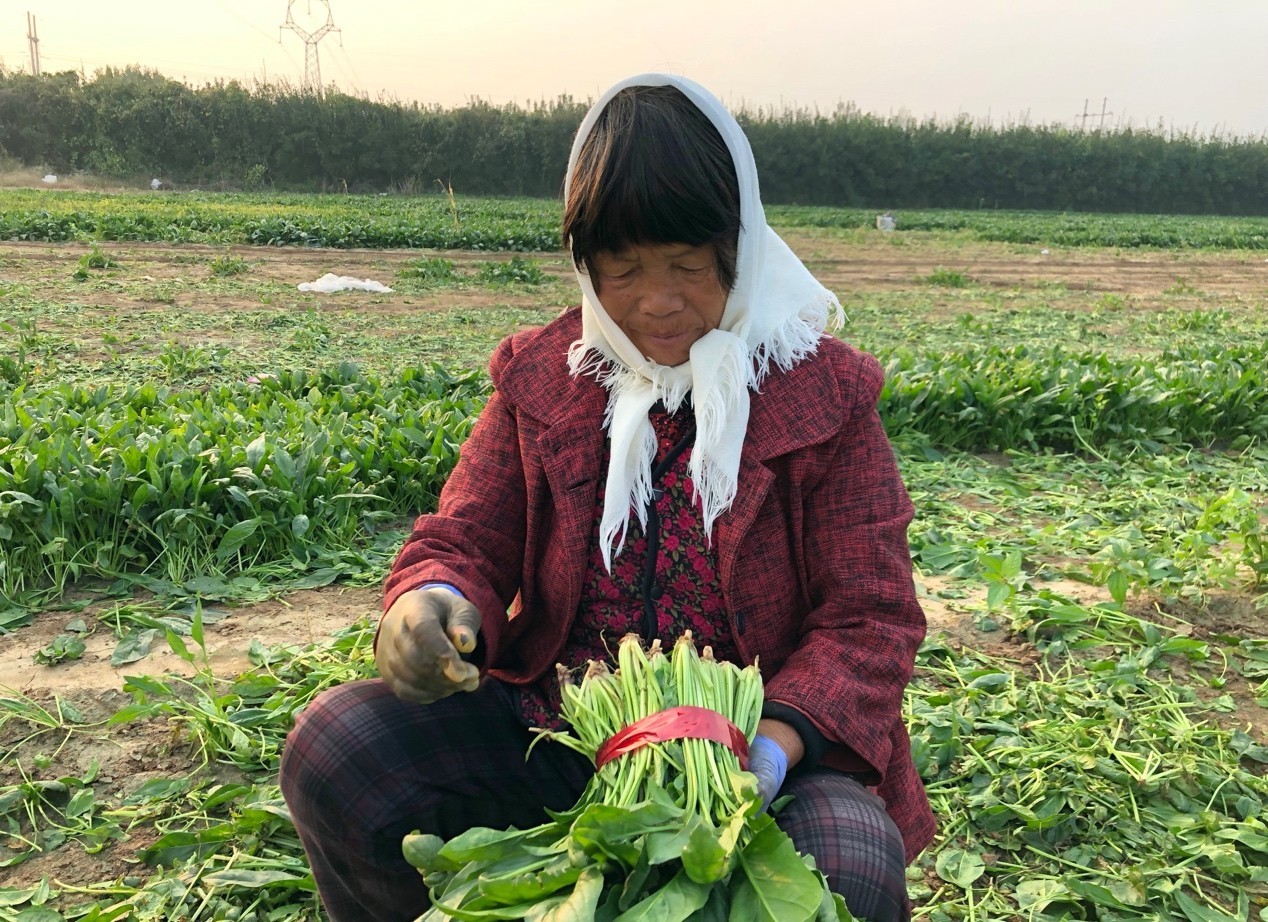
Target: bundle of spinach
(666,831)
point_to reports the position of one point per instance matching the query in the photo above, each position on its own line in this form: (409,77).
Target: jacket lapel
(571,454)
(793,409)
(570,412)
(755,481)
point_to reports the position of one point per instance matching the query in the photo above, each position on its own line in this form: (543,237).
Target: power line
(347,59)
(246,22)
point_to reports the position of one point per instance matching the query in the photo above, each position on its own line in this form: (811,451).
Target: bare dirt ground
(31,178)
(304,617)
(283,270)
(879,265)
(866,264)
(128,755)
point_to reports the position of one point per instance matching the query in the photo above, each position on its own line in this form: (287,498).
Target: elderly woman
(686,450)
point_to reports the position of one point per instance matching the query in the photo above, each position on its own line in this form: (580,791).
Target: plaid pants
(362,769)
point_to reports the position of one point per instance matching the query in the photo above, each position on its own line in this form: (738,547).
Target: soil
(875,266)
(304,617)
(279,269)
(870,264)
(127,755)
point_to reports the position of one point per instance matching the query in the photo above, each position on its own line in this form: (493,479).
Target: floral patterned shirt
(680,590)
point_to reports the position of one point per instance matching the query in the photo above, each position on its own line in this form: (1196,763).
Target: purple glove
(768,761)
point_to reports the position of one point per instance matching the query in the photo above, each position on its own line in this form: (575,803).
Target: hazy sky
(1190,63)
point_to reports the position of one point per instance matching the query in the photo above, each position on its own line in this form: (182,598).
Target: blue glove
(768,761)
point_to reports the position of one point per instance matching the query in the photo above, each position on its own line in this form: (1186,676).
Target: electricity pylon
(312,63)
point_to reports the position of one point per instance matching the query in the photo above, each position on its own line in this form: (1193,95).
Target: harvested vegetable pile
(669,828)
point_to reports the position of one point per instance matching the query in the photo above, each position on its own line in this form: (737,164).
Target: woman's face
(663,296)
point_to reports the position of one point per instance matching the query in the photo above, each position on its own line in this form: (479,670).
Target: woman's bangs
(641,211)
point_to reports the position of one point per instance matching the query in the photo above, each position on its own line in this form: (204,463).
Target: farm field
(204,473)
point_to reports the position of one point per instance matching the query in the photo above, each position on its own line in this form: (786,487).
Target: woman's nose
(660,298)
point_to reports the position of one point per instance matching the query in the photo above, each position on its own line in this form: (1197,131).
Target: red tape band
(684,722)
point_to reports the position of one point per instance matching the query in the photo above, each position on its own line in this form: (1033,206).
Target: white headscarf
(774,315)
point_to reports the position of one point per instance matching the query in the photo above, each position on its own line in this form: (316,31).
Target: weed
(62,648)
(179,362)
(95,260)
(434,270)
(228,265)
(1199,320)
(1181,287)
(947,278)
(447,189)
(15,369)
(313,334)
(515,271)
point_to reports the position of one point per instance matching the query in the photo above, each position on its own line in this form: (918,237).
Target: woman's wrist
(785,736)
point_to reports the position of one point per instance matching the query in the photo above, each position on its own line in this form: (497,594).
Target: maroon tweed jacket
(812,554)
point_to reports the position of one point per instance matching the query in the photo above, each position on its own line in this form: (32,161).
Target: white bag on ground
(330,283)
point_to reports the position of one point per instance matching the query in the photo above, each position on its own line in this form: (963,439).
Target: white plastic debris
(885,222)
(330,283)
(50,179)
(156,184)
(1043,252)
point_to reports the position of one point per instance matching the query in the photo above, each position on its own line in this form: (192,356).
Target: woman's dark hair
(654,169)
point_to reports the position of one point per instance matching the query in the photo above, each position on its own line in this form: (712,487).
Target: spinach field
(205,473)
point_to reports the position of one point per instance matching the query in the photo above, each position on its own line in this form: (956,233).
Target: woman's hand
(421,640)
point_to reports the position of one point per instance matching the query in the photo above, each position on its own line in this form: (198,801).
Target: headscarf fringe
(715,495)
(797,337)
(630,467)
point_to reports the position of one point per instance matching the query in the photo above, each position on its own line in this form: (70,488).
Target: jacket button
(739,622)
(658,591)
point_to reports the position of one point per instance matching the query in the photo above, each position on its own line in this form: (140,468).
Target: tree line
(136,123)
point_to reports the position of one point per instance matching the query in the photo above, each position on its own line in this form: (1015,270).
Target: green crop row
(1066,229)
(434,222)
(298,468)
(186,485)
(531,224)
(993,398)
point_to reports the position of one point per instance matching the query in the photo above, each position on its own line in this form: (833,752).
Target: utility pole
(312,63)
(1105,113)
(1101,124)
(33,40)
